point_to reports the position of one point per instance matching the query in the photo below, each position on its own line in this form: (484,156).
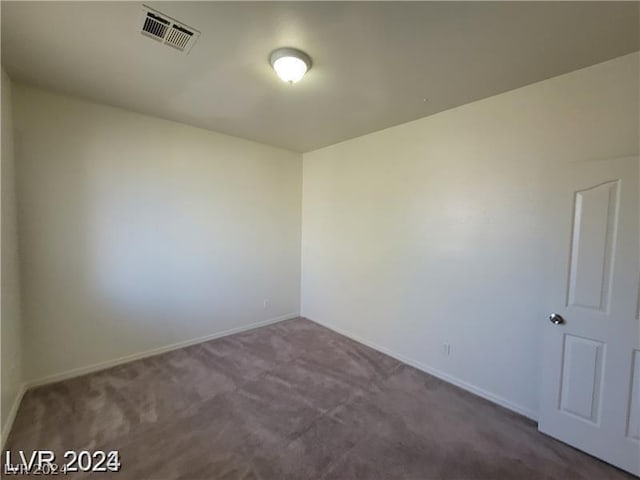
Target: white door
(590,379)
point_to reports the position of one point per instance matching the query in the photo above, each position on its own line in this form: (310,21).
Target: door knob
(556,319)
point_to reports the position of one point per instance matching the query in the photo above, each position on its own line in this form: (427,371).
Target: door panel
(581,377)
(594,230)
(590,385)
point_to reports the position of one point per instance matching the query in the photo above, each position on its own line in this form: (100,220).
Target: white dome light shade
(290,69)
(290,64)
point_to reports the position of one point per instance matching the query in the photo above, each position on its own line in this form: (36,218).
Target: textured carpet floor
(289,401)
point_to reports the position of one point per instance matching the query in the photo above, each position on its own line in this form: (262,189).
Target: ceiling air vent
(165,29)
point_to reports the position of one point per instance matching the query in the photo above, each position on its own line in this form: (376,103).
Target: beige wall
(137,232)
(10,325)
(433,232)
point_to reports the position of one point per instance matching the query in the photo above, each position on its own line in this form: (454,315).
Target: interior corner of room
(433,236)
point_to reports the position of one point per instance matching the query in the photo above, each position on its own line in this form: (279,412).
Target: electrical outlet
(446,349)
(266,304)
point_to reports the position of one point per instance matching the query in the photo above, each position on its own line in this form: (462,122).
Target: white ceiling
(374,64)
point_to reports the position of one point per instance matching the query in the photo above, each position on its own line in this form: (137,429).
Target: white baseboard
(12,415)
(503,402)
(76,372)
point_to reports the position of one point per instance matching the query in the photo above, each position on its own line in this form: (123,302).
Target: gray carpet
(289,401)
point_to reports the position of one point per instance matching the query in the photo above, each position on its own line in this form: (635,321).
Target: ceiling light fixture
(290,64)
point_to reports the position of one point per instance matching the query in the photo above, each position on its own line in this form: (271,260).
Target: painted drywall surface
(10,325)
(433,232)
(138,232)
